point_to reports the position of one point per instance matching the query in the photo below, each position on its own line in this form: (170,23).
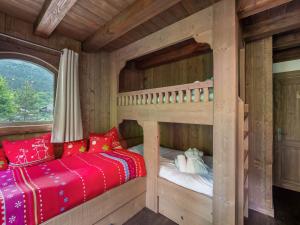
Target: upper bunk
(187,103)
(173,84)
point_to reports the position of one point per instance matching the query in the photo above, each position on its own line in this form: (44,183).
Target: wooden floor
(286,204)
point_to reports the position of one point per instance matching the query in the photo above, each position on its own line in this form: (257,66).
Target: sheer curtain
(67,124)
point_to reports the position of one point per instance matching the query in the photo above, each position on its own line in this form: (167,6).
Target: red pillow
(74,147)
(30,151)
(100,143)
(113,133)
(3,161)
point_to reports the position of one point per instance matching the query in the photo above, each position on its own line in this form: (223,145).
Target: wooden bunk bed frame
(217,27)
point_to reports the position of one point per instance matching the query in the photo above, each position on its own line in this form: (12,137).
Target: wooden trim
(51,15)
(104,207)
(249,8)
(136,14)
(24,129)
(286,41)
(286,55)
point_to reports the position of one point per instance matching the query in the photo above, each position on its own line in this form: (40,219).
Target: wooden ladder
(242,162)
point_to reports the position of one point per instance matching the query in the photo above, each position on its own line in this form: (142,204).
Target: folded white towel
(180,163)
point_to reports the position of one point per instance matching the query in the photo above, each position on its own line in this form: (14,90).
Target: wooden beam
(286,54)
(273,25)
(173,53)
(51,15)
(286,41)
(248,8)
(136,14)
(225,47)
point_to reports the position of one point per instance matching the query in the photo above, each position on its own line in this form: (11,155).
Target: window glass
(26,92)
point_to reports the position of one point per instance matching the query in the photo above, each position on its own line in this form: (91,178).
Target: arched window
(26,92)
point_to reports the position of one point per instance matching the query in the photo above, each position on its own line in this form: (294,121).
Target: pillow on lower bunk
(3,161)
(113,133)
(30,151)
(74,147)
(100,144)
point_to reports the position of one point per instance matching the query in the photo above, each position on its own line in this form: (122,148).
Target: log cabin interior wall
(260,99)
(172,135)
(94,81)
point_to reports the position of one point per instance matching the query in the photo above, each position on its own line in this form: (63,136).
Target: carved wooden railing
(186,93)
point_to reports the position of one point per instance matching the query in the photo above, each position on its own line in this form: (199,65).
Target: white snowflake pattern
(18,204)
(12,219)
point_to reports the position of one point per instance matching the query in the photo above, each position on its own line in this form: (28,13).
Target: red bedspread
(34,194)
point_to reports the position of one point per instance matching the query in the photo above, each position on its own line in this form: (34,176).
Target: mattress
(32,195)
(201,184)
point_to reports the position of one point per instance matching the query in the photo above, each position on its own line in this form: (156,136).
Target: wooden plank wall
(93,74)
(259,97)
(177,136)
(94,92)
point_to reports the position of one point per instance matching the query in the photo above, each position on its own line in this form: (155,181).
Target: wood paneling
(251,7)
(177,136)
(133,16)
(286,54)
(286,40)
(17,28)
(51,15)
(273,21)
(259,97)
(94,91)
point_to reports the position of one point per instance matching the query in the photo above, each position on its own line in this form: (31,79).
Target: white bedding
(201,184)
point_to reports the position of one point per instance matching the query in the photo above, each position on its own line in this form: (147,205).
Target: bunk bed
(192,103)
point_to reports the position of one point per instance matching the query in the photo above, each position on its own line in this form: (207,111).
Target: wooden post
(225,111)
(151,156)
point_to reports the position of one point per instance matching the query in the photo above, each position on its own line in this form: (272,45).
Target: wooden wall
(94,80)
(94,92)
(259,97)
(177,136)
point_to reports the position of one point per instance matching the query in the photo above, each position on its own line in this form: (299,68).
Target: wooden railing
(186,93)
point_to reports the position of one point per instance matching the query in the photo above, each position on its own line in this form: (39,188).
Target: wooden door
(287,130)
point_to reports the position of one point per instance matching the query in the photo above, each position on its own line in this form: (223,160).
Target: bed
(33,195)
(176,189)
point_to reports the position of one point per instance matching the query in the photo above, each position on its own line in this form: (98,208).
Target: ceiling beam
(136,14)
(286,55)
(248,8)
(273,25)
(51,15)
(285,41)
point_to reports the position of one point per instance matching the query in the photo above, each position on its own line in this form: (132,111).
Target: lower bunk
(182,197)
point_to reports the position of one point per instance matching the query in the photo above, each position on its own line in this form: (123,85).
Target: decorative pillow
(113,133)
(74,147)
(100,144)
(30,151)
(3,161)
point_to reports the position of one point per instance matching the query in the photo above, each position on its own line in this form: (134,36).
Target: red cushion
(74,147)
(3,161)
(113,133)
(30,151)
(100,143)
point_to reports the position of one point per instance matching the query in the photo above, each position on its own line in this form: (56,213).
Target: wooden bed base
(183,206)
(113,207)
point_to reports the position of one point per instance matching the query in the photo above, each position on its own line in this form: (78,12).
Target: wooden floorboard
(286,204)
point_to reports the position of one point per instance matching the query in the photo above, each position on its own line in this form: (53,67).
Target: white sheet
(168,171)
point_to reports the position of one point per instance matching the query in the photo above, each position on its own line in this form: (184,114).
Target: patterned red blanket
(32,195)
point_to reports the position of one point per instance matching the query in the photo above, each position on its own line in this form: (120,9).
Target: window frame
(28,127)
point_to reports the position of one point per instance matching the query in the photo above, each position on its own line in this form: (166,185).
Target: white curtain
(67,124)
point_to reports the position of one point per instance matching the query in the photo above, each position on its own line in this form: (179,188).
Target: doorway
(286,168)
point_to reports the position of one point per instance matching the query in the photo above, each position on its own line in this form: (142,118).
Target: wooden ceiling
(90,20)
